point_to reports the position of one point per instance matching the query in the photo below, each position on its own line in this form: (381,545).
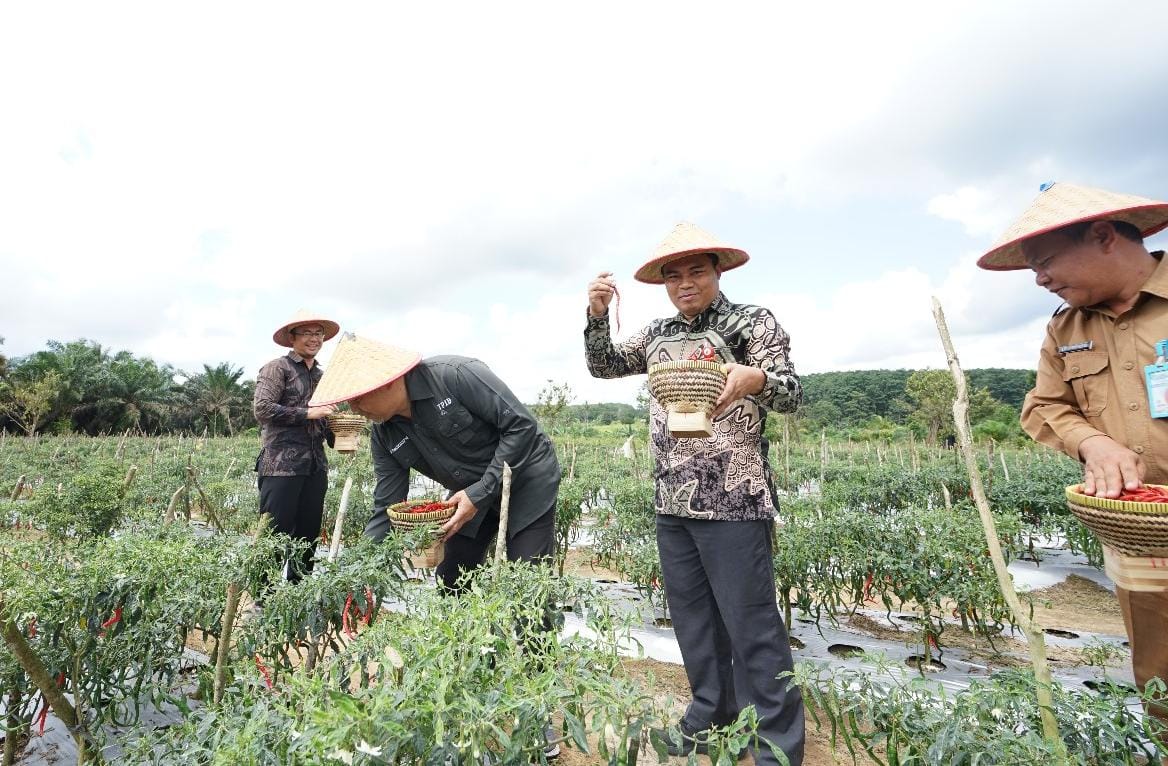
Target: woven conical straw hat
(687,239)
(304,316)
(358,366)
(1062,204)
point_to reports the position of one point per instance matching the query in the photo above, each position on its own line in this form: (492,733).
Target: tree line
(84,387)
(863,401)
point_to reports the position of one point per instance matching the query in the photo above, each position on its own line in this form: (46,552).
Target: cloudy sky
(175,180)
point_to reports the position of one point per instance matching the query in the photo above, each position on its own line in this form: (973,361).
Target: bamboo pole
(1034,636)
(335,543)
(504,511)
(224,644)
(19,488)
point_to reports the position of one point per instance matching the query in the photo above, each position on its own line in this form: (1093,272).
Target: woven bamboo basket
(347,430)
(402,519)
(1140,573)
(1130,528)
(687,389)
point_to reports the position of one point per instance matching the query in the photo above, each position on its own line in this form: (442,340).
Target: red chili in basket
(428,508)
(1146,494)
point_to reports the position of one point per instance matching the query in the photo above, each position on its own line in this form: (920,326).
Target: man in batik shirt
(715,496)
(293,471)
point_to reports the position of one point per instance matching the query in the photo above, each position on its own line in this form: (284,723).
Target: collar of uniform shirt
(1157,284)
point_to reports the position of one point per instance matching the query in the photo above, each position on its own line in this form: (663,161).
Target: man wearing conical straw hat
(1102,377)
(452,419)
(715,496)
(292,468)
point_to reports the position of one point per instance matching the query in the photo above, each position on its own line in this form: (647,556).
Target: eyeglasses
(308,333)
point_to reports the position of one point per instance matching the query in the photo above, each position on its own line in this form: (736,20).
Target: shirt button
(1075,368)
(1138,449)
(458,473)
(1128,365)
(1133,406)
(1122,325)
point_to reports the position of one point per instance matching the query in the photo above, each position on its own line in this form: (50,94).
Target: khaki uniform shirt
(1079,394)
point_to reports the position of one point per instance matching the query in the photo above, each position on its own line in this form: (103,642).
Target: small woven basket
(402,519)
(1130,528)
(347,429)
(687,389)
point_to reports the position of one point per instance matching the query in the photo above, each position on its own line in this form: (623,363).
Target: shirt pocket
(1087,373)
(460,426)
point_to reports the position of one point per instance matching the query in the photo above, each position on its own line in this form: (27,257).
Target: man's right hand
(600,292)
(1109,468)
(323,411)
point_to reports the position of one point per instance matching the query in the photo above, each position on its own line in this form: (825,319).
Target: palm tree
(133,393)
(217,396)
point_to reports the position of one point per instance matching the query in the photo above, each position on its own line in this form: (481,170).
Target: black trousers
(535,543)
(720,584)
(296,505)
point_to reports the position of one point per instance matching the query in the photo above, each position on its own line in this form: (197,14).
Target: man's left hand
(462,514)
(741,380)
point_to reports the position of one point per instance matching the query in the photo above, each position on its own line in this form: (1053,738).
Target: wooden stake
(504,511)
(1034,636)
(335,545)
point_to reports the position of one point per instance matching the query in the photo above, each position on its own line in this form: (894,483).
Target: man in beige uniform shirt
(1091,399)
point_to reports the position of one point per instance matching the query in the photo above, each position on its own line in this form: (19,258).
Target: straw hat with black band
(283,336)
(358,366)
(1062,204)
(687,239)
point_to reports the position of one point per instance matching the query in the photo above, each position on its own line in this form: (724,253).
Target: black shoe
(680,741)
(552,747)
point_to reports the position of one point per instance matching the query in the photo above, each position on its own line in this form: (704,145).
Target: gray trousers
(720,585)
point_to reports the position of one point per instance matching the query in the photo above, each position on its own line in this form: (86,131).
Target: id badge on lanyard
(1156,378)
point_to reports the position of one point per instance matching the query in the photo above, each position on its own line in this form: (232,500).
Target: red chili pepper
(1146,494)
(41,719)
(114,619)
(324,536)
(346,623)
(865,595)
(369,604)
(267,674)
(32,622)
(428,507)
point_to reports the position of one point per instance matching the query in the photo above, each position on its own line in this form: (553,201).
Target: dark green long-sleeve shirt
(465,422)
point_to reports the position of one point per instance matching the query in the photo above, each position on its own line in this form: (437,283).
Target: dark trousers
(720,583)
(535,543)
(296,505)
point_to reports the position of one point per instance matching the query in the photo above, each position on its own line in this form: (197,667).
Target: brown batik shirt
(290,443)
(726,476)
